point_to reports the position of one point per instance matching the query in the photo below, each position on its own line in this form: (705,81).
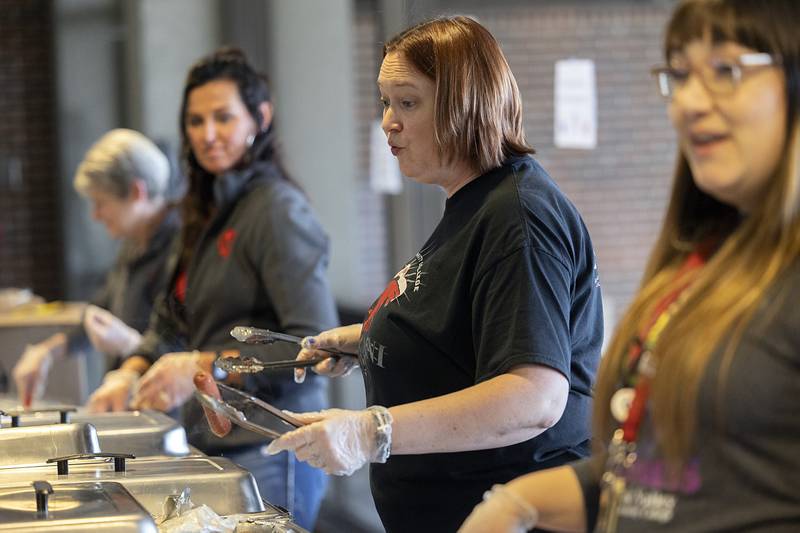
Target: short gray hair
(117,159)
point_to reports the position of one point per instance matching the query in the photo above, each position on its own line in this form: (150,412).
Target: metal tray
(141,433)
(215,481)
(103,507)
(26,446)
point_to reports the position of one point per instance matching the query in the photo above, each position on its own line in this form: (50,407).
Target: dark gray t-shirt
(745,475)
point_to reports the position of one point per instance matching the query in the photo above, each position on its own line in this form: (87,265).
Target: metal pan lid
(95,506)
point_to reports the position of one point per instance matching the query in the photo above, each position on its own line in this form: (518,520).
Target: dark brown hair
(224,64)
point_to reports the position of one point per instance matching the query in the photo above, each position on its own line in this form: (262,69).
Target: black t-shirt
(507,278)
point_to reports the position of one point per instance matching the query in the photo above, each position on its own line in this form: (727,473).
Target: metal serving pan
(141,433)
(26,446)
(215,481)
(103,507)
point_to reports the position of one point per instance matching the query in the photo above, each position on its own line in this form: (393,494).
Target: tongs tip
(241,333)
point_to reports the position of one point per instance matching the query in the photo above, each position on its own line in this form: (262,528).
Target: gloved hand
(170,381)
(339,441)
(108,334)
(30,373)
(115,392)
(502,511)
(344,338)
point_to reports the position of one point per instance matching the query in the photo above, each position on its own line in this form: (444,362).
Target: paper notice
(575,94)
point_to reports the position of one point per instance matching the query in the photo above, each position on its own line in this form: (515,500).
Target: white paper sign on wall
(575,95)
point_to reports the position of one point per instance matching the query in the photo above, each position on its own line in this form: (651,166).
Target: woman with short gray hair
(126,178)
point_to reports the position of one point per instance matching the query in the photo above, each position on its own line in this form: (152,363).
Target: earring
(250,140)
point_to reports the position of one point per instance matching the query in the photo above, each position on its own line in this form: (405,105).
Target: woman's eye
(407,104)
(224,117)
(194,121)
(384,103)
(679,75)
(723,71)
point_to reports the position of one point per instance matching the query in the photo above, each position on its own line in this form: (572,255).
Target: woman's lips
(703,146)
(395,150)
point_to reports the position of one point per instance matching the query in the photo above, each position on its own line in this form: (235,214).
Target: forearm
(557,496)
(57,345)
(506,410)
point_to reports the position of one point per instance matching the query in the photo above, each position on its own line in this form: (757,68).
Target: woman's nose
(209,131)
(693,97)
(389,122)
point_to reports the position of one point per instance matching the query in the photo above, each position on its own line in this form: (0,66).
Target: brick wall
(30,248)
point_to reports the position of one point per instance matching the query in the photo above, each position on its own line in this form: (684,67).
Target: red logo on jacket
(225,242)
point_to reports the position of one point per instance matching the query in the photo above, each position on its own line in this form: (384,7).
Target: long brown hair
(754,251)
(478,110)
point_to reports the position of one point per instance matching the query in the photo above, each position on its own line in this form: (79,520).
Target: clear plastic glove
(344,338)
(170,381)
(115,391)
(335,440)
(108,334)
(30,373)
(502,511)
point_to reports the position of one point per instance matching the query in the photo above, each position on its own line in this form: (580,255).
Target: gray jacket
(260,262)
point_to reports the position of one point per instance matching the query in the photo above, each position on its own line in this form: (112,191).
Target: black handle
(62,463)
(43,491)
(63,414)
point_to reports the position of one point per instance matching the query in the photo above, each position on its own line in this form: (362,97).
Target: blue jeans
(283,480)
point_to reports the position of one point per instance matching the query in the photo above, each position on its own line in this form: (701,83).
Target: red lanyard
(640,359)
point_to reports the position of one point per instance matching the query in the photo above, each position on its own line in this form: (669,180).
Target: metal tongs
(250,365)
(251,335)
(238,417)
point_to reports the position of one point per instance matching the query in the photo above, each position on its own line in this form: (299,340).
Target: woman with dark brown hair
(696,413)
(251,252)
(478,358)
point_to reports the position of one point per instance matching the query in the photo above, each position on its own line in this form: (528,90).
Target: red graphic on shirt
(394,290)
(225,242)
(181,282)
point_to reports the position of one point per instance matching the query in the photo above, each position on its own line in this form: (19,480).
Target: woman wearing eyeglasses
(695,417)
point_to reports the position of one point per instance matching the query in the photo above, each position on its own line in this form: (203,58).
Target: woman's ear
(266,115)
(138,190)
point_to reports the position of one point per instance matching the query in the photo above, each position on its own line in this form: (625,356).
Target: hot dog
(220,426)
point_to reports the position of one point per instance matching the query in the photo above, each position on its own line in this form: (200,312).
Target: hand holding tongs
(251,335)
(238,417)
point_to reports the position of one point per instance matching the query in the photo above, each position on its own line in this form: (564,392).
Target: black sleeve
(587,472)
(76,336)
(521,314)
(163,333)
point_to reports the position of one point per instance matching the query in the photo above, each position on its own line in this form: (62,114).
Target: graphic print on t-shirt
(406,282)
(652,493)
(408,278)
